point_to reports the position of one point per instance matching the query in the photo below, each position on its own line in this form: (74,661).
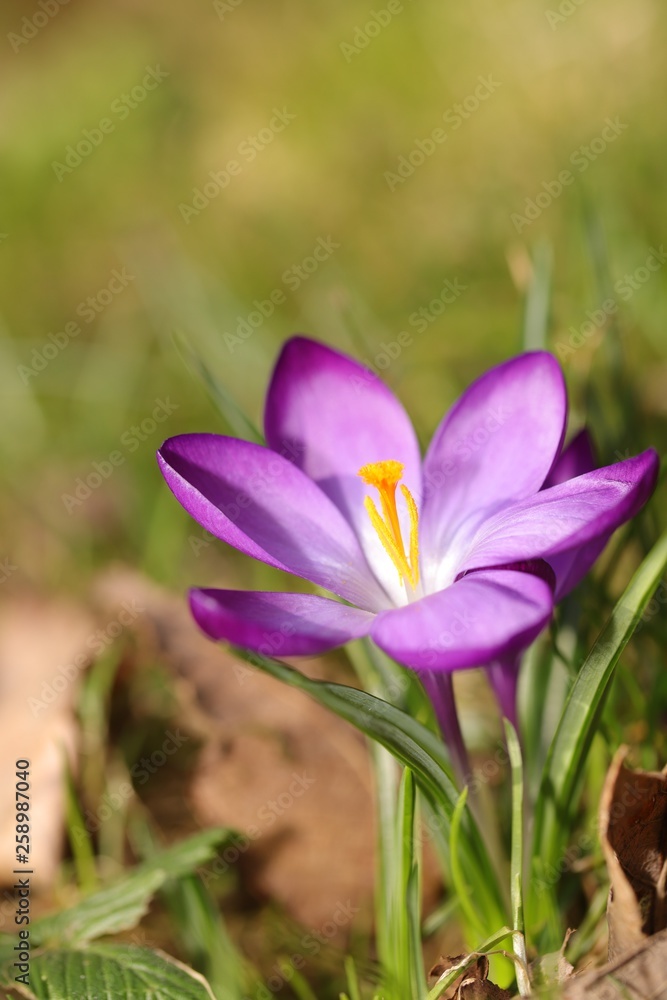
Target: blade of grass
(352,979)
(576,729)
(234,417)
(80,840)
(536,314)
(461,887)
(405,904)
(516,859)
(440,916)
(452,974)
(385,769)
(417,747)
(298,983)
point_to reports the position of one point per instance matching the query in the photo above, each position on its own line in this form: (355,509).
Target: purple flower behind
(575,460)
(448,563)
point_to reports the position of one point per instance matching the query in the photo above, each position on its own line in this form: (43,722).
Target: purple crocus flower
(446,563)
(570,568)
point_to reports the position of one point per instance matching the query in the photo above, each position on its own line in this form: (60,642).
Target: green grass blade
(406,923)
(516,859)
(80,839)
(576,729)
(536,315)
(122,905)
(452,974)
(462,889)
(237,422)
(416,747)
(352,979)
(298,983)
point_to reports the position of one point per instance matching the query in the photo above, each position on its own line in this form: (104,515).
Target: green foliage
(121,970)
(568,752)
(424,753)
(67,968)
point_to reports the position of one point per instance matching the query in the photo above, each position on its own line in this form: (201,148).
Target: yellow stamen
(385,476)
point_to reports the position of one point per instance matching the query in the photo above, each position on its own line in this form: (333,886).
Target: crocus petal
(495,446)
(482,617)
(575,460)
(571,567)
(566,517)
(330,416)
(277,624)
(504,679)
(264,506)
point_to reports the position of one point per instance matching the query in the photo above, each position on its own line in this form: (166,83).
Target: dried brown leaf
(638,974)
(473,984)
(633,831)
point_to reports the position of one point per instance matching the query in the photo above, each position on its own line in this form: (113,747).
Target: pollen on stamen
(382,474)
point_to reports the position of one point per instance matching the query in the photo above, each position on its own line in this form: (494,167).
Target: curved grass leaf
(122,905)
(114,971)
(577,726)
(236,420)
(416,747)
(538,297)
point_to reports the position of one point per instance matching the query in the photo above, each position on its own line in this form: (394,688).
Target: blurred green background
(420,146)
(361,87)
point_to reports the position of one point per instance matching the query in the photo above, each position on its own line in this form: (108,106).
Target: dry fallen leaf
(633,830)
(44,646)
(553,967)
(638,974)
(472,984)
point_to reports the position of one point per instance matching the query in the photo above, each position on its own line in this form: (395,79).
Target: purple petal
(440,689)
(330,415)
(566,517)
(480,618)
(264,506)
(495,446)
(571,567)
(504,679)
(277,624)
(575,460)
